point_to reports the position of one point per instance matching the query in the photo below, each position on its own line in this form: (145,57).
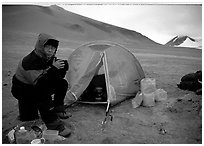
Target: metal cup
(38,141)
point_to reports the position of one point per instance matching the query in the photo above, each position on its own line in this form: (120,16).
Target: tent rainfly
(122,71)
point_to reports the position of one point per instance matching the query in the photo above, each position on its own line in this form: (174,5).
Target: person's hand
(58,63)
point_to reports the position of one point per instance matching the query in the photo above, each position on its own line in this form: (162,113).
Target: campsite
(176,120)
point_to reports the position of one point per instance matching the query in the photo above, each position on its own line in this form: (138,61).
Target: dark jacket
(35,68)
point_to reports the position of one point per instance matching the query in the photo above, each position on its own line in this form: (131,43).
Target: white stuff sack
(148,85)
(149,99)
(160,95)
(137,101)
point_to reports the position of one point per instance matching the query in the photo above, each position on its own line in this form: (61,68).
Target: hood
(42,40)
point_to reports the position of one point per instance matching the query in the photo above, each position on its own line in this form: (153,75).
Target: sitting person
(39,84)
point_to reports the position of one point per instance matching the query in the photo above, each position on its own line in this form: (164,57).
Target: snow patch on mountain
(185,41)
(191,43)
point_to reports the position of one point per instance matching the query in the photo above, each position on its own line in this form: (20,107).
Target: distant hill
(184,41)
(22,23)
(65,24)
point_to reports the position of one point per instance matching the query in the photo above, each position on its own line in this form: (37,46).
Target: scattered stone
(174,110)
(179,99)
(190,100)
(198,139)
(108,140)
(162,131)
(199,91)
(9,73)
(200,111)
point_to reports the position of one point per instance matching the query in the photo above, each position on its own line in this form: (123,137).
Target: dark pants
(33,99)
(45,103)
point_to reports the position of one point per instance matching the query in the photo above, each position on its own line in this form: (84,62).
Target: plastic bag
(160,95)
(148,85)
(11,136)
(23,136)
(149,99)
(137,101)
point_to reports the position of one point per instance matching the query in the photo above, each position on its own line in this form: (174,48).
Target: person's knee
(63,83)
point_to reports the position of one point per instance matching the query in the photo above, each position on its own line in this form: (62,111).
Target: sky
(158,21)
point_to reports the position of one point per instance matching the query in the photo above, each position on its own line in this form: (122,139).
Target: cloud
(170,20)
(154,21)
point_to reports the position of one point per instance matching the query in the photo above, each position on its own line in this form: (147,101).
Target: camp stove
(98,93)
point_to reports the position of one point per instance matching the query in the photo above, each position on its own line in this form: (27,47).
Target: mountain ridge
(184,41)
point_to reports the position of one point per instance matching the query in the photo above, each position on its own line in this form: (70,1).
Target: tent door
(99,89)
(96,90)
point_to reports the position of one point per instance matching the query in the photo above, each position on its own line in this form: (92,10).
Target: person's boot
(66,132)
(59,125)
(64,115)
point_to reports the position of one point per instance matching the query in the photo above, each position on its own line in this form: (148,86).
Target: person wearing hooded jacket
(39,85)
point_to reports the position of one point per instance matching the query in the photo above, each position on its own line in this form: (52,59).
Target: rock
(200,112)
(179,100)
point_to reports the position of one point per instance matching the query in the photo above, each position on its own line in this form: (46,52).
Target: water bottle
(23,136)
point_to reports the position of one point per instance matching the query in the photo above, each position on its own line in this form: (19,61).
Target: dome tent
(122,71)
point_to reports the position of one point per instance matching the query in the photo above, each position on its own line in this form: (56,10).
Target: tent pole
(105,64)
(107,108)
